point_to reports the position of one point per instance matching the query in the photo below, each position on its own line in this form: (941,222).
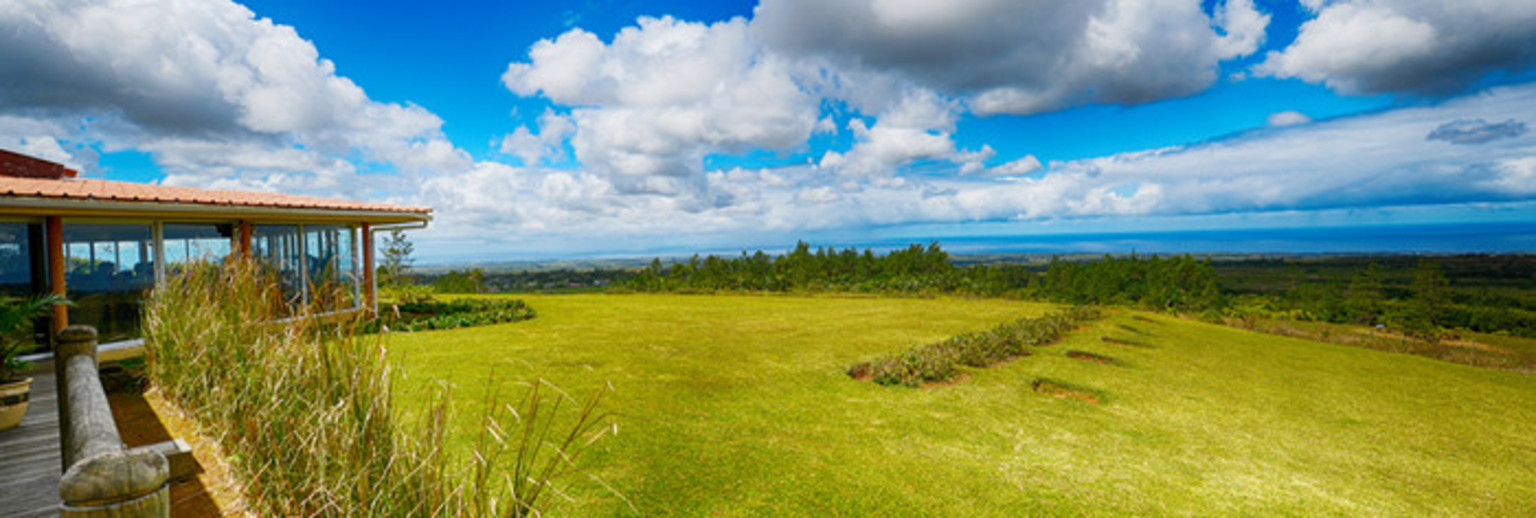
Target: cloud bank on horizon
(856,104)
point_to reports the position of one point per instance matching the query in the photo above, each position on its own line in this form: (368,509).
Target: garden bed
(451,314)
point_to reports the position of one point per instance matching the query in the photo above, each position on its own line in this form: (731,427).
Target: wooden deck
(29,456)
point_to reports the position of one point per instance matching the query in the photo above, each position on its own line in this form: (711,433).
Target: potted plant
(16,317)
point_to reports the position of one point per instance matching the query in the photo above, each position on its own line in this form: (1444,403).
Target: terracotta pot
(13,402)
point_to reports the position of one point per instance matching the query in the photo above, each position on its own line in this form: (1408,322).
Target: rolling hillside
(739,405)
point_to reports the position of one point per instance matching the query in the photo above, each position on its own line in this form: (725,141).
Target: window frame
(157,237)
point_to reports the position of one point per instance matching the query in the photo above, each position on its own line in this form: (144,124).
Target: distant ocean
(1444,238)
(1452,238)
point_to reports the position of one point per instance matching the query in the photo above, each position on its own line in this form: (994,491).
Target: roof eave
(42,206)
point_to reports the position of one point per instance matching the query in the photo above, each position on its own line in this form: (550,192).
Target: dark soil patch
(861,372)
(1124,327)
(1122,341)
(956,380)
(1092,358)
(1144,319)
(1062,390)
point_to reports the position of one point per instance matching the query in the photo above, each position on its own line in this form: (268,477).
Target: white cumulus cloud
(1020,167)
(1408,46)
(1005,56)
(650,105)
(1373,160)
(533,148)
(1288,118)
(216,95)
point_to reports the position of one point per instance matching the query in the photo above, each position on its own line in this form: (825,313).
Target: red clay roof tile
(107,190)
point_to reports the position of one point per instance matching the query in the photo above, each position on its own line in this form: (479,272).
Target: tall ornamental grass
(305,411)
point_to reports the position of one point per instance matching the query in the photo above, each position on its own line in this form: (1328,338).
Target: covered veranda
(104,244)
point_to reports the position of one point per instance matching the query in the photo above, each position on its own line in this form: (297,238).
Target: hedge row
(937,362)
(450,314)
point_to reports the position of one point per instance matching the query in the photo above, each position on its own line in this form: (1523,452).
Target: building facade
(104,244)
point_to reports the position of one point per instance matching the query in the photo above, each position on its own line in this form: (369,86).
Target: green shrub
(16,315)
(937,362)
(408,293)
(437,315)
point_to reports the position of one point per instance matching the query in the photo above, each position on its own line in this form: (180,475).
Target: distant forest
(1417,295)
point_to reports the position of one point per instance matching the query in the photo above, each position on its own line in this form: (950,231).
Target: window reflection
(21,262)
(23,270)
(279,248)
(332,278)
(189,242)
(108,268)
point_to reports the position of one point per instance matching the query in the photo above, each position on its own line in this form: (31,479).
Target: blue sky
(562,129)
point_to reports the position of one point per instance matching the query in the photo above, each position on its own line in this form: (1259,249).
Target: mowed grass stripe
(738,405)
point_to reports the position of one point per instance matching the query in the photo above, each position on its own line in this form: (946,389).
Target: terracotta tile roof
(107,190)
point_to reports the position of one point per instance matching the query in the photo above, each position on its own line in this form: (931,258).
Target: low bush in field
(451,314)
(306,414)
(937,362)
(407,293)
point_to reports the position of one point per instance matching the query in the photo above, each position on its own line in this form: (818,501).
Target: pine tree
(1364,298)
(395,265)
(1429,290)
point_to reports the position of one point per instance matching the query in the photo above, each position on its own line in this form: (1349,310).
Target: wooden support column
(370,298)
(244,245)
(54,235)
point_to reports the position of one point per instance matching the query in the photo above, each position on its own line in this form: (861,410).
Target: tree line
(1181,283)
(1412,295)
(1418,300)
(913,269)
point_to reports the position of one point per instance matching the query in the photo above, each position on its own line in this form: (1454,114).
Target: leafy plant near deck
(306,411)
(15,316)
(937,362)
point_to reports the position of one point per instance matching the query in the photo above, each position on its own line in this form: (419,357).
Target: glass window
(22,270)
(187,242)
(107,270)
(279,247)
(329,256)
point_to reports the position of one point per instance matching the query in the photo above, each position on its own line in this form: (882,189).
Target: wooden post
(89,430)
(370,298)
(245,240)
(55,247)
(101,478)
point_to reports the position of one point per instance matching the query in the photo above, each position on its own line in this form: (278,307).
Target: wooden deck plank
(23,446)
(29,456)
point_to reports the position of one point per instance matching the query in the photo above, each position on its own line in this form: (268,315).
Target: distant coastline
(1414,239)
(1443,238)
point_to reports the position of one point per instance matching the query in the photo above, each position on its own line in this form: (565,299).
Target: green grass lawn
(738,405)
